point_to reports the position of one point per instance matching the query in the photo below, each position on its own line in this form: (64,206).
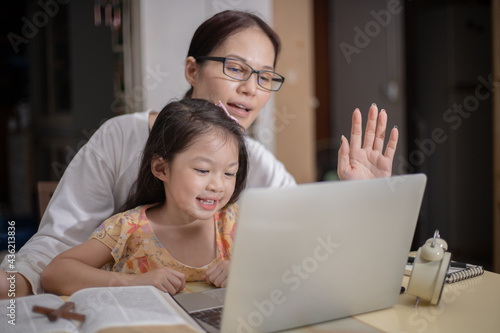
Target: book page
(127,306)
(19,316)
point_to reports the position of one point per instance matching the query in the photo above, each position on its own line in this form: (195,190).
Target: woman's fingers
(376,126)
(378,144)
(356,131)
(343,159)
(371,126)
(390,150)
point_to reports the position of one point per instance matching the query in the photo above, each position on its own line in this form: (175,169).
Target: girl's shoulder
(135,216)
(124,227)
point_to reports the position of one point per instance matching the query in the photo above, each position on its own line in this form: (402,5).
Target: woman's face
(243,99)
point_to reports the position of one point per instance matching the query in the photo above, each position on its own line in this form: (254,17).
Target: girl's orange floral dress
(136,249)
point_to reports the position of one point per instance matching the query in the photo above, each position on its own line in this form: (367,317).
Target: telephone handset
(430,266)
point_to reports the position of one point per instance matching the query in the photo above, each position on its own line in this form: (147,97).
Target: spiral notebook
(458,272)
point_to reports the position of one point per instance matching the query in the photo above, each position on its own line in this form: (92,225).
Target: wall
(294,122)
(367,66)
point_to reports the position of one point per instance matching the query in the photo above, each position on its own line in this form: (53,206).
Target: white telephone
(429,270)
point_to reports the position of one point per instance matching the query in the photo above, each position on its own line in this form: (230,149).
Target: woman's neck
(151,119)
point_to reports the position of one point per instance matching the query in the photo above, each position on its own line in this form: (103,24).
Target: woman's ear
(159,168)
(191,70)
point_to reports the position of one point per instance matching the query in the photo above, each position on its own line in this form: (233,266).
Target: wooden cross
(64,311)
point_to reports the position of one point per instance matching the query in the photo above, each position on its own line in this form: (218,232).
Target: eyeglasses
(238,70)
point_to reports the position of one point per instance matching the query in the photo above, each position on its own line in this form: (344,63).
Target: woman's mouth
(239,110)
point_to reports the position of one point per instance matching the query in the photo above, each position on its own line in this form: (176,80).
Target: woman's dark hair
(175,130)
(214,31)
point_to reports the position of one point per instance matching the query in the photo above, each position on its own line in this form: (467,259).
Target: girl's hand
(218,273)
(356,162)
(166,279)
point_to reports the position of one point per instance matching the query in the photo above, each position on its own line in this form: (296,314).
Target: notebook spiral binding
(464,274)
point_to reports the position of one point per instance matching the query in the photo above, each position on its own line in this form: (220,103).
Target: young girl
(179,223)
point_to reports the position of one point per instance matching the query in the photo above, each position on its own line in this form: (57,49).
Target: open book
(107,310)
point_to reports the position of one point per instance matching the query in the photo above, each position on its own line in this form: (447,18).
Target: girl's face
(243,99)
(201,179)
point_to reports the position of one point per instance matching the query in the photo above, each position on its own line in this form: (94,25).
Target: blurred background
(66,66)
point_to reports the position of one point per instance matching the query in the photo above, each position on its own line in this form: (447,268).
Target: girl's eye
(201,171)
(229,174)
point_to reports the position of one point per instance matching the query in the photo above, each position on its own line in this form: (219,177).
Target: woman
(225,53)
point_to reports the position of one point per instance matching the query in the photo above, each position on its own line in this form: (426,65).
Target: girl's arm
(79,268)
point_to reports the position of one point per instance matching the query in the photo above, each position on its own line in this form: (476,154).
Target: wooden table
(471,305)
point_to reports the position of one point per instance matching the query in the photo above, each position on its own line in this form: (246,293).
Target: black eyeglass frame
(223,60)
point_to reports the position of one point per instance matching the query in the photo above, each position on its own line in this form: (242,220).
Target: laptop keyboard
(210,316)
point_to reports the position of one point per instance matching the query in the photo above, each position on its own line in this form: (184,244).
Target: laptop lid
(320,251)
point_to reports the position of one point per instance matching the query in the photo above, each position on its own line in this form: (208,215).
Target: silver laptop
(314,253)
